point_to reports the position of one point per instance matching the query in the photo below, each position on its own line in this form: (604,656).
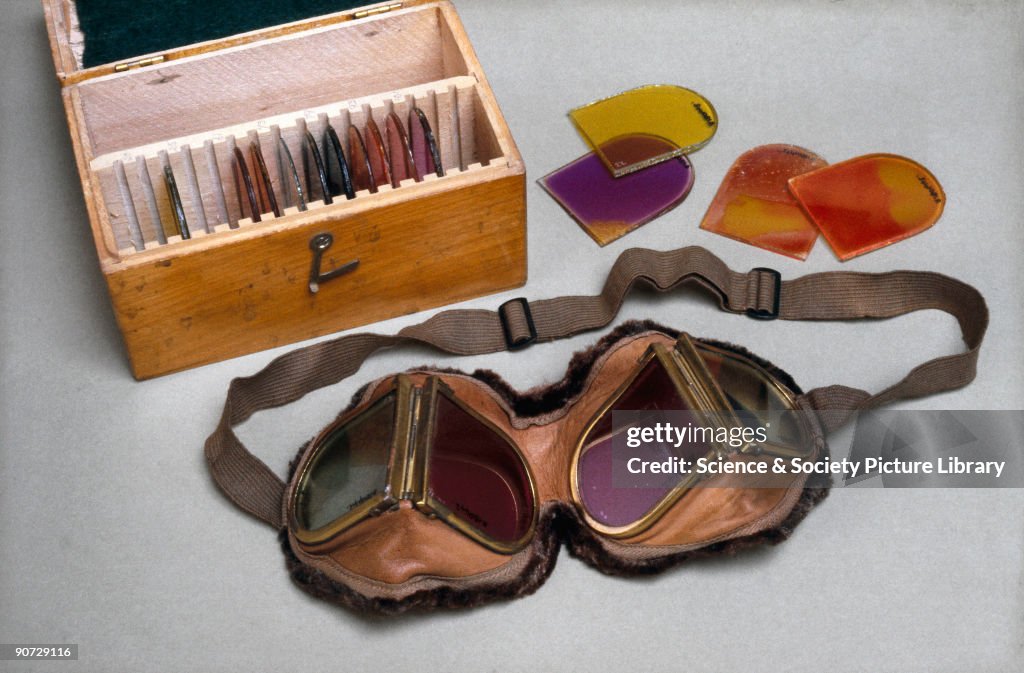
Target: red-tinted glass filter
(426,157)
(869,202)
(264,186)
(477,474)
(402,161)
(244,189)
(376,153)
(359,162)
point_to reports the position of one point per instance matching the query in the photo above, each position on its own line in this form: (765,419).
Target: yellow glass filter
(647,125)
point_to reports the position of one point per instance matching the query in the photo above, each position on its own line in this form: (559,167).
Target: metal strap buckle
(511,342)
(773,312)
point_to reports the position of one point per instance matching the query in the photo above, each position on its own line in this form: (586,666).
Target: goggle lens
(756,399)
(651,391)
(753,399)
(478,475)
(350,469)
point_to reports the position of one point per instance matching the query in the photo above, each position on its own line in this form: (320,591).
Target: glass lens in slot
(264,186)
(339,178)
(376,153)
(349,468)
(426,156)
(316,171)
(362,174)
(244,188)
(402,161)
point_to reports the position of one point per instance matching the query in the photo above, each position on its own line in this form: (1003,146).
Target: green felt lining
(119,30)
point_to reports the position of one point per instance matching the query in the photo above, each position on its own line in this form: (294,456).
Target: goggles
(437,488)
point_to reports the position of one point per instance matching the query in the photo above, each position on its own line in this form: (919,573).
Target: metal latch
(319,244)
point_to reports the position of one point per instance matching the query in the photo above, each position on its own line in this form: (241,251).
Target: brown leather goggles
(438,488)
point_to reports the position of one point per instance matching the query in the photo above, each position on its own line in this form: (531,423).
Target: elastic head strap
(841,295)
(254,487)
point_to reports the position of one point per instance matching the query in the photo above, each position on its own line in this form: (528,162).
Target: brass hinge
(377,10)
(141,63)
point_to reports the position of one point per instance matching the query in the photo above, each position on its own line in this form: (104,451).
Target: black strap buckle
(512,342)
(773,312)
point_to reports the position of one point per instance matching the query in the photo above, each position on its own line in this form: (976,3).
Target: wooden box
(238,286)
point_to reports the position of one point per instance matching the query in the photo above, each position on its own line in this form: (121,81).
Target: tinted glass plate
(642,126)
(754,205)
(607,207)
(870,202)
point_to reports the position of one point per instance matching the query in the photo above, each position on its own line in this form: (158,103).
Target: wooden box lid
(67,41)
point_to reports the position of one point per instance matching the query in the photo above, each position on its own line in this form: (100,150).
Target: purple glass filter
(607,207)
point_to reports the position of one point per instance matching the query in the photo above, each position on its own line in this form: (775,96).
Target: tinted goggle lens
(467,472)
(653,392)
(757,398)
(350,469)
(478,475)
(749,393)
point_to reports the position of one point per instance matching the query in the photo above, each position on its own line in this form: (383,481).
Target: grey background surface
(112,535)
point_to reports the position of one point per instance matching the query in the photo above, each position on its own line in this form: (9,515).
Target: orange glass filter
(869,202)
(754,204)
(646,125)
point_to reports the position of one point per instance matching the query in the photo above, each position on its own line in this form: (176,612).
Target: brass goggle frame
(408,473)
(695,384)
